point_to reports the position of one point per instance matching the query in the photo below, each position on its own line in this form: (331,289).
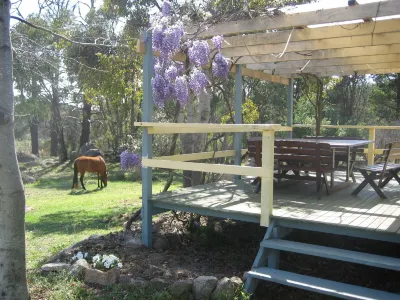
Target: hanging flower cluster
(175,80)
(130,160)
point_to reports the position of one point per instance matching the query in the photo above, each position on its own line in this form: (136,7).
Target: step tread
(374,260)
(328,287)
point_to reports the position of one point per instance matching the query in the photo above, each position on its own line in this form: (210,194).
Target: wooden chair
(384,171)
(298,156)
(341,154)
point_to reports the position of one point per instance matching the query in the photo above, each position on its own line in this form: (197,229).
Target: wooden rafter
(322,16)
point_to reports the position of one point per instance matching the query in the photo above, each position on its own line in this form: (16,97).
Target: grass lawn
(60,217)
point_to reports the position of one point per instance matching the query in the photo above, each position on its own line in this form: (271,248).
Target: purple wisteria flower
(158,36)
(217,41)
(198,81)
(171,73)
(130,160)
(220,67)
(199,53)
(158,85)
(181,90)
(166,8)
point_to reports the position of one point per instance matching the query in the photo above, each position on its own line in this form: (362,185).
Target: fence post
(147,149)
(267,179)
(289,121)
(371,146)
(238,117)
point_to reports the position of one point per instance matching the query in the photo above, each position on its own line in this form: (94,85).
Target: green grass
(61,217)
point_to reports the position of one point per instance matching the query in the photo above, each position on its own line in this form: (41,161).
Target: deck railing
(371,151)
(181,162)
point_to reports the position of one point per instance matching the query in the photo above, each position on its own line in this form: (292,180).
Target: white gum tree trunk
(13,283)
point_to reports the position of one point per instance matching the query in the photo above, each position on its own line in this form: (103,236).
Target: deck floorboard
(297,201)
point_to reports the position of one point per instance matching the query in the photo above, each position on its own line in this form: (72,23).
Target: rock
(86,147)
(100,277)
(73,155)
(244,277)
(237,282)
(139,282)
(203,286)
(161,243)
(55,267)
(125,279)
(132,242)
(32,164)
(93,152)
(181,289)
(79,267)
(26,157)
(224,290)
(27,179)
(158,284)
(94,236)
(174,240)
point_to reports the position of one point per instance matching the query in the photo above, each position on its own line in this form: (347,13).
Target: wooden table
(337,145)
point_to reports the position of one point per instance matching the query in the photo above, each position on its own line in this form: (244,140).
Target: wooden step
(334,253)
(318,285)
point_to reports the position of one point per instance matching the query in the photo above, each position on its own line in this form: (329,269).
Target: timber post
(238,117)
(289,121)
(267,177)
(371,146)
(147,149)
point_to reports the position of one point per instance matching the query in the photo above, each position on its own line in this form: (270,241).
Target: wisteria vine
(176,80)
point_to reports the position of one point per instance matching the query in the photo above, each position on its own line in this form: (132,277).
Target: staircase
(266,267)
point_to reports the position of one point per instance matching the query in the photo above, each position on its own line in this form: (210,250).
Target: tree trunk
(63,148)
(53,140)
(87,114)
(13,284)
(397,82)
(34,129)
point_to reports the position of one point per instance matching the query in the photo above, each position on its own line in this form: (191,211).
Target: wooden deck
(293,201)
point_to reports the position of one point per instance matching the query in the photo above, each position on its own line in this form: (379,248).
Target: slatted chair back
(390,154)
(254,148)
(333,137)
(304,156)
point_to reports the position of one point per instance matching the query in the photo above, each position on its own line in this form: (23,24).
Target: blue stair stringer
(266,267)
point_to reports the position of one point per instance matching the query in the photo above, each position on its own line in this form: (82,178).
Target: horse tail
(75,179)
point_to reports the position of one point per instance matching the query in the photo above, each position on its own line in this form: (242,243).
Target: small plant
(106,262)
(80,255)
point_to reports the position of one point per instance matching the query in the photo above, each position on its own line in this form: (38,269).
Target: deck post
(267,179)
(289,121)
(238,117)
(371,146)
(147,109)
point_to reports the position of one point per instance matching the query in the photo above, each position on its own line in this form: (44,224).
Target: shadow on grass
(79,192)
(73,222)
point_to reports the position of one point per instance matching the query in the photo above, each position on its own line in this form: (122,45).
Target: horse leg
(98,178)
(82,175)
(101,180)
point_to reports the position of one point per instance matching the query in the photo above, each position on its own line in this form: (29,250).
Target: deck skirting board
(338,229)
(208,212)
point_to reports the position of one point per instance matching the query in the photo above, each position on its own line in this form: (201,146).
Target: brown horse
(90,164)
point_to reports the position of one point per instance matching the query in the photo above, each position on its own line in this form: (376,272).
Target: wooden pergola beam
(345,68)
(348,73)
(308,34)
(313,45)
(322,54)
(307,64)
(320,16)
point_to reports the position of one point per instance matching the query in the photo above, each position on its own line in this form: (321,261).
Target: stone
(244,277)
(79,267)
(158,284)
(203,286)
(125,279)
(55,267)
(100,277)
(27,179)
(133,242)
(161,244)
(86,147)
(224,290)
(181,288)
(237,282)
(139,282)
(175,241)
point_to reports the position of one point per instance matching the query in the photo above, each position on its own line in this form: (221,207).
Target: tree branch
(59,35)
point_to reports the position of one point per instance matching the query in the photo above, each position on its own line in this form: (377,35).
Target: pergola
(278,48)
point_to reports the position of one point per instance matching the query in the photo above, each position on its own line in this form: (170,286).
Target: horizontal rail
(200,155)
(347,126)
(203,167)
(169,128)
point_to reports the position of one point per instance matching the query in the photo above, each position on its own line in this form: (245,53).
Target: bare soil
(225,248)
